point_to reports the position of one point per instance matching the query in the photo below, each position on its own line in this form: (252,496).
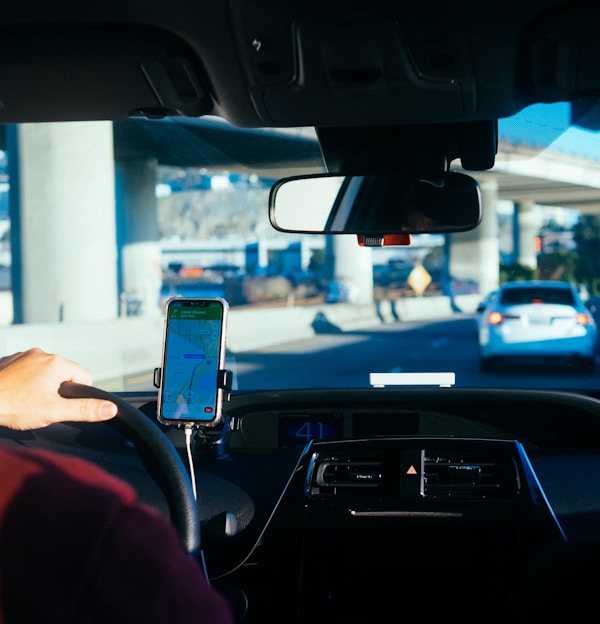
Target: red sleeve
(76,547)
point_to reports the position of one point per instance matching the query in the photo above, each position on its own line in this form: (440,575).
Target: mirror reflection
(405,203)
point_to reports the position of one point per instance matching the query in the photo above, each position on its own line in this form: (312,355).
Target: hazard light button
(411,472)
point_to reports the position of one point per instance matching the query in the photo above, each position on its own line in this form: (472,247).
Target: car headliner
(268,63)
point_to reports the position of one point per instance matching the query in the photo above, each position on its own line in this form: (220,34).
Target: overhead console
(319,64)
(338,64)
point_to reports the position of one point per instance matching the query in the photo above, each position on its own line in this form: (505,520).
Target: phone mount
(224,383)
(224,380)
(211,438)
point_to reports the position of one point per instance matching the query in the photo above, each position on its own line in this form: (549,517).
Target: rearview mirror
(405,203)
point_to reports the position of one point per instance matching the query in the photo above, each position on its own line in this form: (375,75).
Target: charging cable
(188,447)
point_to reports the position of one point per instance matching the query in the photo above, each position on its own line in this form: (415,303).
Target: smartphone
(193,362)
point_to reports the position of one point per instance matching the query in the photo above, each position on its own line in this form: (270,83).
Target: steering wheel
(159,456)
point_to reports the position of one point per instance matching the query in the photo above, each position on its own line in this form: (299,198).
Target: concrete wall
(131,346)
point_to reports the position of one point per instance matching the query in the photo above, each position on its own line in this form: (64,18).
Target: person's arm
(29,398)
(77,546)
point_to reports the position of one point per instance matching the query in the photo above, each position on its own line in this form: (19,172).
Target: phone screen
(193,355)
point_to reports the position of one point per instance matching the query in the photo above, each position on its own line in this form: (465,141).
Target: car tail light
(495,318)
(583,319)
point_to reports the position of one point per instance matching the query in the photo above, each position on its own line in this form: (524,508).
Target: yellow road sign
(419,279)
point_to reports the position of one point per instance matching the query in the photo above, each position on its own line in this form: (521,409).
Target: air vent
(346,475)
(464,475)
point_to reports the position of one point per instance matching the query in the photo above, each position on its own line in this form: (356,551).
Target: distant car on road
(537,321)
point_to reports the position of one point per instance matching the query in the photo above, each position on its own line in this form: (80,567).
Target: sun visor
(101,73)
(564,56)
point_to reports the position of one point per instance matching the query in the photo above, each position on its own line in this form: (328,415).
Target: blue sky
(542,125)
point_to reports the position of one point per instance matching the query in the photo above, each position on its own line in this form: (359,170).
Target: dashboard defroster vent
(467,475)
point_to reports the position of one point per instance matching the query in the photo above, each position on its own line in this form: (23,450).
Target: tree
(586,234)
(557,265)
(516,272)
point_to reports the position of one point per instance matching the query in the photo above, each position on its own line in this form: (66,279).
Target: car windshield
(184,212)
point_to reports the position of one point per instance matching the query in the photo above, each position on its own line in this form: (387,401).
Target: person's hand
(29,398)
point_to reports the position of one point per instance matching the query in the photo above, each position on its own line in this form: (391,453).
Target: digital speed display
(296,430)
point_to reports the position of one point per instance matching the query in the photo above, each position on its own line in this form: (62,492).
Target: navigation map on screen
(191,364)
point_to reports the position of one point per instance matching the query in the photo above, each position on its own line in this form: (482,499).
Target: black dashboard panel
(287,420)
(438,498)
(366,497)
(560,432)
(366,524)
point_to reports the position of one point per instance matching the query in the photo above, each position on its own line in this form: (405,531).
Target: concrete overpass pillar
(63,215)
(138,236)
(352,266)
(475,255)
(526,229)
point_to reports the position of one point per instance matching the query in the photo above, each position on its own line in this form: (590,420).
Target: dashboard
(397,493)
(310,499)
(287,421)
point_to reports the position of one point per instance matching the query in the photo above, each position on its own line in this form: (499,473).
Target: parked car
(364,469)
(537,321)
